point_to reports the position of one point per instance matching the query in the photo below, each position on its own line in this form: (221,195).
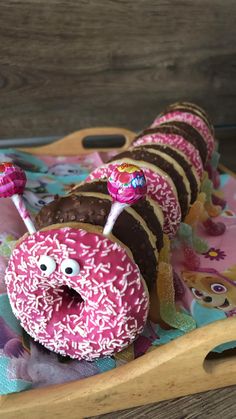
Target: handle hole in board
(104,141)
(215,359)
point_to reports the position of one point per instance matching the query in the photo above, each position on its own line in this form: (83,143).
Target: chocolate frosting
(193,109)
(95,211)
(195,135)
(142,207)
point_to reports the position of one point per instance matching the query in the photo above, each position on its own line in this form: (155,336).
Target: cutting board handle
(85,141)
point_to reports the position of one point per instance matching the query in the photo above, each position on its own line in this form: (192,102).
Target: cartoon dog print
(212,289)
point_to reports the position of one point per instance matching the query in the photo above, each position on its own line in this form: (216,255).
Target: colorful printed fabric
(48,176)
(207,294)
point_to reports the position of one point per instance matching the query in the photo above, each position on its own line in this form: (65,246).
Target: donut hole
(70,297)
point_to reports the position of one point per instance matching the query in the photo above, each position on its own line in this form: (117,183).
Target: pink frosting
(193,120)
(177,142)
(158,189)
(111,303)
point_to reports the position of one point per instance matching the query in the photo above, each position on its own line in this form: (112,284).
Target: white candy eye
(46,264)
(70,267)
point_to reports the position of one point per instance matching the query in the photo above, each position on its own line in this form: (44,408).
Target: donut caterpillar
(83,294)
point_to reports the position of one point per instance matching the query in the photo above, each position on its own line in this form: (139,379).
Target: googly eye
(198,294)
(47,265)
(70,267)
(218,288)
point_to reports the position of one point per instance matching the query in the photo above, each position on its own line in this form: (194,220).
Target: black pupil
(68,271)
(43,267)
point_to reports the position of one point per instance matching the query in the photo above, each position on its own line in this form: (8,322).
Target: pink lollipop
(12,184)
(126,185)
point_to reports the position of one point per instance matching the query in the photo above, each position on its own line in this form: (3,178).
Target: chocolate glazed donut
(94,210)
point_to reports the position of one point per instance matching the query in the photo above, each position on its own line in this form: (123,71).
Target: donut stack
(83,294)
(173,153)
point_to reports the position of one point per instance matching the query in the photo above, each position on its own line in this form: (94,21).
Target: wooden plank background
(216,404)
(70,64)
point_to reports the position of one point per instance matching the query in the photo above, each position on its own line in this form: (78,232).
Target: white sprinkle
(70,303)
(84,246)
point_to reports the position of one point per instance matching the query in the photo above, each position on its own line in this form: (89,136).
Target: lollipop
(12,184)
(126,185)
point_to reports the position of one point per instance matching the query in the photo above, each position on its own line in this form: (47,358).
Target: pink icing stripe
(193,120)
(102,172)
(158,189)
(111,306)
(179,143)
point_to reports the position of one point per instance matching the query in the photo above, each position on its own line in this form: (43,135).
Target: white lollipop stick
(21,208)
(115,211)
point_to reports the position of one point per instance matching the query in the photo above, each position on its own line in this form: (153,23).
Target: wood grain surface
(217,404)
(71,64)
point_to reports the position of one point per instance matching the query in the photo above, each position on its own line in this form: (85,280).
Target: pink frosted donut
(158,188)
(160,191)
(77,293)
(193,120)
(177,142)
